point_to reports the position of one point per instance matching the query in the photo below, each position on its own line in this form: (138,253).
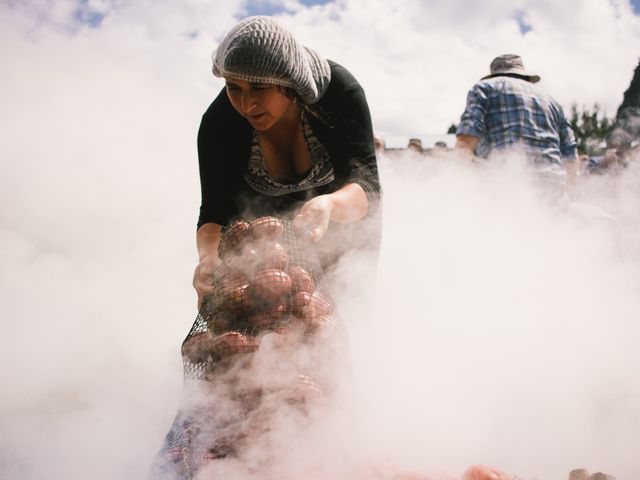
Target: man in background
(506,110)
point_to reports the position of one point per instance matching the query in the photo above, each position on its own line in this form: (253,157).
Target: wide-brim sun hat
(261,50)
(510,64)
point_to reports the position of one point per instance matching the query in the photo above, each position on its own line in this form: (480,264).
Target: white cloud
(417,59)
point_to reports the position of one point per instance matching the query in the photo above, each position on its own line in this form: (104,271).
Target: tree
(591,128)
(452,128)
(627,125)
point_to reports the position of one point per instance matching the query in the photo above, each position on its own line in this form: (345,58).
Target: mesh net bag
(270,281)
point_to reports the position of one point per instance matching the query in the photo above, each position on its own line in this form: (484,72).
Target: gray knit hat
(260,49)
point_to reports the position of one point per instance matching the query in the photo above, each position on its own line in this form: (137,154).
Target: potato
(301,391)
(282,338)
(482,472)
(205,457)
(209,305)
(315,311)
(197,347)
(267,228)
(321,305)
(232,343)
(219,322)
(316,323)
(237,302)
(301,280)
(227,278)
(175,454)
(309,385)
(271,285)
(233,238)
(270,318)
(272,255)
(300,304)
(245,261)
(283,330)
(288,336)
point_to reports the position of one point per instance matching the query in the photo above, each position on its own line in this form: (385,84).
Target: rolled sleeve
(221,132)
(356,162)
(473,119)
(365,174)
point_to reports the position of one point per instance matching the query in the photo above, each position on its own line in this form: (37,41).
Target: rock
(601,476)
(583,474)
(579,474)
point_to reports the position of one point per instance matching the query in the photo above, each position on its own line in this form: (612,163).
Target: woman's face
(261,104)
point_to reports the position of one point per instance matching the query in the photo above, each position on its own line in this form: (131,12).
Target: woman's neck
(283,132)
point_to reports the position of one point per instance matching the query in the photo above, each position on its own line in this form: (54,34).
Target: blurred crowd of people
(612,160)
(609,160)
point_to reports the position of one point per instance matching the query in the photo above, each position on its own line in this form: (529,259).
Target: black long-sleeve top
(340,120)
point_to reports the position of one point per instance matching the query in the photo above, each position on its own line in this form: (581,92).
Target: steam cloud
(502,330)
(505,321)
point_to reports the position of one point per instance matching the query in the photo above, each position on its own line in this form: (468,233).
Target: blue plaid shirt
(506,112)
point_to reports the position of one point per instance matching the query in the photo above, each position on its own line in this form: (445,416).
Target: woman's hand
(207,239)
(313,220)
(345,205)
(203,277)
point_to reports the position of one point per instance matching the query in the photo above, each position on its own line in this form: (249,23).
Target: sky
(101,102)
(416,59)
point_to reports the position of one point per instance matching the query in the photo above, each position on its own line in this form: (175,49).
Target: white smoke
(505,322)
(501,330)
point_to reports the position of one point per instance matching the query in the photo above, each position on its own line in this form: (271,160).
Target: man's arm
(571,166)
(568,149)
(466,144)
